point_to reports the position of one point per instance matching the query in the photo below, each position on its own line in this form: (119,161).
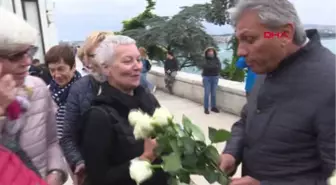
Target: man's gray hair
(273,14)
(15,32)
(104,53)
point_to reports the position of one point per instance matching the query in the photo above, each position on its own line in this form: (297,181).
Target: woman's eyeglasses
(30,52)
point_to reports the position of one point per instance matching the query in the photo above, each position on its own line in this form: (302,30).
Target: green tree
(138,21)
(182,33)
(216,11)
(231,72)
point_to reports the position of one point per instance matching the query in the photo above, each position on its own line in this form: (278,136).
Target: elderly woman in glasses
(108,143)
(30,118)
(79,101)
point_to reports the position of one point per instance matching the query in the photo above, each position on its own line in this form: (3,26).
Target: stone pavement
(179,106)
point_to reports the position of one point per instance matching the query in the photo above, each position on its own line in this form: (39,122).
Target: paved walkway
(179,106)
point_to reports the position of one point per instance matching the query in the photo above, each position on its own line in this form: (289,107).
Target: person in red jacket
(14,172)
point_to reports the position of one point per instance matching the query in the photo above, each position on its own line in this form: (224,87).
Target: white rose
(145,121)
(143,127)
(162,116)
(140,133)
(134,116)
(140,170)
(332,179)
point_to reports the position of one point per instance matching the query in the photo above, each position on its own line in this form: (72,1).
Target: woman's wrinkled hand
(7,90)
(54,179)
(79,177)
(149,147)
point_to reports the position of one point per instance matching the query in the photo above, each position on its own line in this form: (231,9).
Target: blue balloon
(241,59)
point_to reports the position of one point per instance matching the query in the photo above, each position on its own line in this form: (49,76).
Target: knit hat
(15,33)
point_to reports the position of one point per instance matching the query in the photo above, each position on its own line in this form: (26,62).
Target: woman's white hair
(15,32)
(273,14)
(105,51)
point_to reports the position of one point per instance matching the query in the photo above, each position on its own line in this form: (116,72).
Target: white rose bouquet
(332,179)
(182,148)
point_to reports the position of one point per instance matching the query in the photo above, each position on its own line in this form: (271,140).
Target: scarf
(60,94)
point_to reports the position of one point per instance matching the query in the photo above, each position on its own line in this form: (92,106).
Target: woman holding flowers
(108,143)
(29,119)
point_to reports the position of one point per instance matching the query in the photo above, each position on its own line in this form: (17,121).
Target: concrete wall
(230,95)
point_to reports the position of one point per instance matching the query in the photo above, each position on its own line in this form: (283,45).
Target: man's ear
(287,33)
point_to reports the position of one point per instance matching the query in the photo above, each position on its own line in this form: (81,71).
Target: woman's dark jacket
(79,100)
(108,141)
(212,65)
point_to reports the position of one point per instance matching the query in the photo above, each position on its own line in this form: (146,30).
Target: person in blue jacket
(241,64)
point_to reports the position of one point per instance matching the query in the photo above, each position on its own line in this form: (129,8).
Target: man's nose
(241,50)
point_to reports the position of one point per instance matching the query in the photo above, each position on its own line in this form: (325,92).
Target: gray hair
(15,32)
(104,53)
(273,13)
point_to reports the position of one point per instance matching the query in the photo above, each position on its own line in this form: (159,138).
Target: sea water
(224,53)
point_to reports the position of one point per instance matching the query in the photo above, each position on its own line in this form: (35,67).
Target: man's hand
(246,180)
(54,179)
(79,174)
(227,163)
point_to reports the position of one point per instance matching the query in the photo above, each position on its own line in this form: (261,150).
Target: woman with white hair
(108,143)
(30,119)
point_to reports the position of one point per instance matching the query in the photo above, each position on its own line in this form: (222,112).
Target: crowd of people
(76,122)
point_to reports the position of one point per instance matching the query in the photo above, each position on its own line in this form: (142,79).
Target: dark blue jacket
(286,134)
(79,100)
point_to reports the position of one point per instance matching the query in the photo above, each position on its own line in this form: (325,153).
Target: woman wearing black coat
(108,144)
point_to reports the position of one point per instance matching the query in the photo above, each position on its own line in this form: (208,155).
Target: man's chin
(258,70)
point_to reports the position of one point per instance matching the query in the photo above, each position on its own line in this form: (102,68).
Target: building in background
(39,14)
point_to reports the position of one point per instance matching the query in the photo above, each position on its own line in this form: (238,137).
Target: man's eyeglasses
(31,51)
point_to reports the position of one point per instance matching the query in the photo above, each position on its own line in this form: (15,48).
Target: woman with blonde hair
(145,69)
(79,100)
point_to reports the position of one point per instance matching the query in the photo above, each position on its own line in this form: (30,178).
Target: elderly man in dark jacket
(286,134)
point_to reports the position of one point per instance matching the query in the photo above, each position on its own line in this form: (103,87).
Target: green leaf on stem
(192,129)
(163,145)
(188,145)
(218,136)
(210,175)
(200,147)
(189,161)
(179,130)
(173,181)
(171,163)
(212,154)
(184,177)
(223,180)
(174,145)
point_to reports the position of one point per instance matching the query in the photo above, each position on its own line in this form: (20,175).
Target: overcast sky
(75,19)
